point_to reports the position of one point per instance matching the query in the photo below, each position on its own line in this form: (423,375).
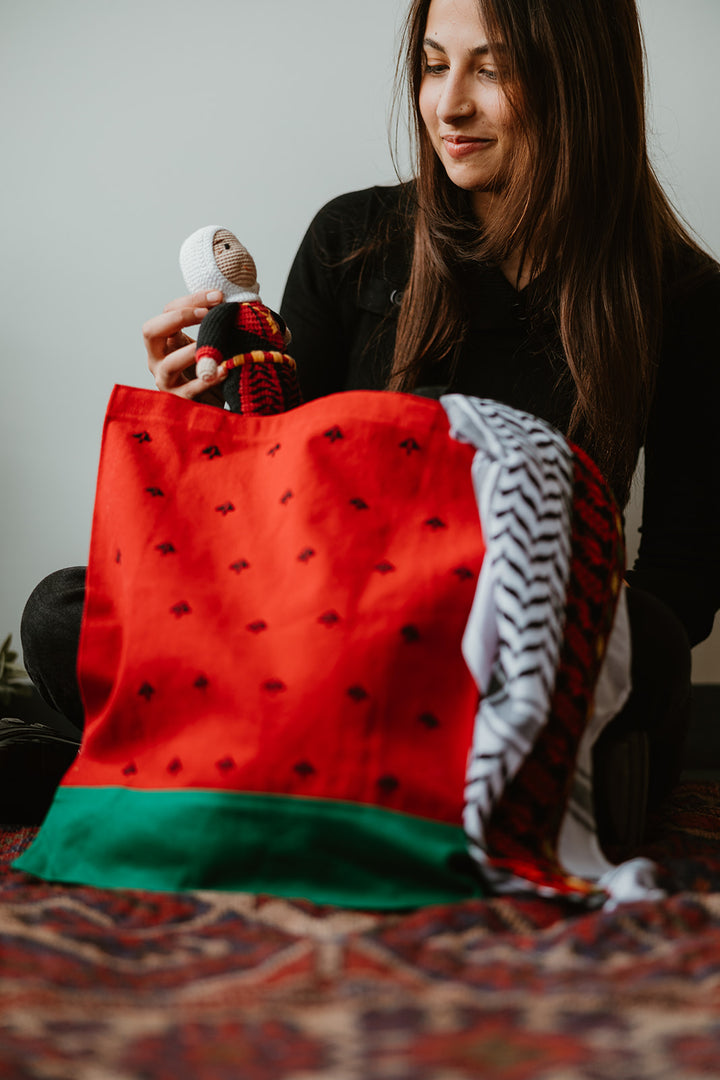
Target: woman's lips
(460,146)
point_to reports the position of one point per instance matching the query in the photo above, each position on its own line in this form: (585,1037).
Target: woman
(533,259)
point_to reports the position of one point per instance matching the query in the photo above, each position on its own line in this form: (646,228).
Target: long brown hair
(581,203)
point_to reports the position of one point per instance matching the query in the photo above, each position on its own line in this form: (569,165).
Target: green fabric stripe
(329,852)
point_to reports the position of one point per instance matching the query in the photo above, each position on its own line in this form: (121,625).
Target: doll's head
(214,258)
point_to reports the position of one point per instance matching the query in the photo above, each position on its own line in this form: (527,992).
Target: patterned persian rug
(99,984)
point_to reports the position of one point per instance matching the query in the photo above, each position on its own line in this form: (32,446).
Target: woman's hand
(171,353)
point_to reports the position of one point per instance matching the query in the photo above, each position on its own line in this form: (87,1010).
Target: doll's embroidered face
(234,260)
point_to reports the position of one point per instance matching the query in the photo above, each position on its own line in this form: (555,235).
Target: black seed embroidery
(306,554)
(130,769)
(463,572)
(429,720)
(409,446)
(211,452)
(165,549)
(384,567)
(357,693)
(142,436)
(359,504)
(274,686)
(224,509)
(225,764)
(146,691)
(240,565)
(273,450)
(175,766)
(180,609)
(329,618)
(304,768)
(157,493)
(388,784)
(285,499)
(410,633)
(256,627)
(201,682)
(333,434)
(435,523)
(118,556)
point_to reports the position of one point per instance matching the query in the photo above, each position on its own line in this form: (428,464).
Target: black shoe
(33,761)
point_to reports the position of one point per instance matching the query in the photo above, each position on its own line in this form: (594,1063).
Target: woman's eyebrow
(478,50)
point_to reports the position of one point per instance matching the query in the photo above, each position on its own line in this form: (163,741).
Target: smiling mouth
(465,138)
(459,146)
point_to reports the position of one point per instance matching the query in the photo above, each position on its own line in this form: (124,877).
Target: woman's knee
(50,636)
(53,611)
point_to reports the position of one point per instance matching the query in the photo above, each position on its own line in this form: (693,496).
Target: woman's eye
(489,73)
(434,69)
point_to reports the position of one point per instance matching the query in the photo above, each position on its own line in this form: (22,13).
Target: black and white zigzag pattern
(523,478)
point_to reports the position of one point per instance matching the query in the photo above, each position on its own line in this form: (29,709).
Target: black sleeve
(337,300)
(310,309)
(679,555)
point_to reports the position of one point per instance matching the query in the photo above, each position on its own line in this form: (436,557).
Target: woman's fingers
(195,300)
(163,333)
(169,370)
(170,352)
(176,373)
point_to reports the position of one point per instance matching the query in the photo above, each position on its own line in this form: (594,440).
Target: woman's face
(465,113)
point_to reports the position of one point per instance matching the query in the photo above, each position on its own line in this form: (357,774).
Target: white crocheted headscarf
(201,272)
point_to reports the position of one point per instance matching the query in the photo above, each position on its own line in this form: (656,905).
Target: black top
(343,316)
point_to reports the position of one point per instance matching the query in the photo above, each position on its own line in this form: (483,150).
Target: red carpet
(117,985)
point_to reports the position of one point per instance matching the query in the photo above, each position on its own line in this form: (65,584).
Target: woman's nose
(455,101)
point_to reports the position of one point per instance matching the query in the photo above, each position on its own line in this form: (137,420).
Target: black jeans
(659,703)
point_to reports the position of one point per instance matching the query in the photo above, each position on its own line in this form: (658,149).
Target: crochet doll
(242,332)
